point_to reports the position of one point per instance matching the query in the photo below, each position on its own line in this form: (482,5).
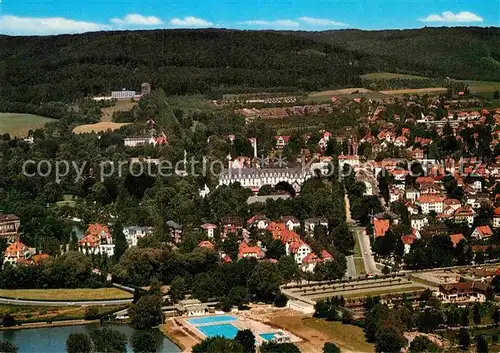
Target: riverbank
(49,324)
(179,336)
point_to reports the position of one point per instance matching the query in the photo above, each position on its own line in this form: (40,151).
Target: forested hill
(457,52)
(59,68)
(66,67)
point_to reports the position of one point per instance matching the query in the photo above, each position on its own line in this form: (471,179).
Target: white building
(299,250)
(123,94)
(134,233)
(430,203)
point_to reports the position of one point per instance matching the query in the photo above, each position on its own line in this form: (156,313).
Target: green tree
(423,344)
(389,339)
(147,312)
(288,268)
(9,321)
(109,341)
(7,347)
(476,314)
(495,316)
(276,250)
(481,344)
(144,342)
(265,280)
(281,300)
(247,339)
(78,343)
(119,240)
(218,345)
(330,348)
(464,338)
(178,288)
(271,347)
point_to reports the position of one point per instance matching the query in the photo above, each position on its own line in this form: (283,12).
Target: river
(53,339)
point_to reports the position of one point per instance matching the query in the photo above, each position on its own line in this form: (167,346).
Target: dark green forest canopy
(67,67)
(457,52)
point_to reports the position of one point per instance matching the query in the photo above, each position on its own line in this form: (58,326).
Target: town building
(134,233)
(97,241)
(9,227)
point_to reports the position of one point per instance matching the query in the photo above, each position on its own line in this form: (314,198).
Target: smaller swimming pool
(211,319)
(225,330)
(267,336)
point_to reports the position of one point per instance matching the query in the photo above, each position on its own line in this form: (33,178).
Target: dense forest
(458,52)
(67,67)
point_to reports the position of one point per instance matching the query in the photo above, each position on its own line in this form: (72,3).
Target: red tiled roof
(295,245)
(430,198)
(456,238)
(485,231)
(250,250)
(408,239)
(326,255)
(16,248)
(207,226)
(312,258)
(380,226)
(206,244)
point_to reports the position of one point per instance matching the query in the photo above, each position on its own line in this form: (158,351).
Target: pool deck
(186,335)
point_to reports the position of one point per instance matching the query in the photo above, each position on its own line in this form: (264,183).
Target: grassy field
(360,266)
(122,105)
(66,294)
(19,124)
(390,75)
(44,313)
(482,86)
(98,127)
(316,332)
(429,90)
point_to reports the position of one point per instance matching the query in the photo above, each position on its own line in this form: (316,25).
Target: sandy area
(415,90)
(98,127)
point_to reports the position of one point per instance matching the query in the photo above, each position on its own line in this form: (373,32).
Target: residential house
(134,233)
(464,214)
(209,229)
(246,250)
(482,232)
(259,221)
(311,223)
(299,249)
(97,240)
(309,262)
(17,253)
(408,240)
(457,238)
(206,245)
(400,141)
(231,225)
(9,227)
(175,231)
(291,222)
(352,160)
(496,217)
(380,226)
(281,141)
(429,203)
(472,291)
(411,193)
(418,221)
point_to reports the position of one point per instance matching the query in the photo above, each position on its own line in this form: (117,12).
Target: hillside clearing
(19,125)
(66,294)
(340,91)
(390,75)
(123,105)
(429,90)
(98,127)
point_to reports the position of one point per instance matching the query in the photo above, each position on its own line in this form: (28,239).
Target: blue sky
(39,17)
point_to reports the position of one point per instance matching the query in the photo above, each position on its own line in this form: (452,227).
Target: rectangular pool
(266,336)
(224,330)
(211,319)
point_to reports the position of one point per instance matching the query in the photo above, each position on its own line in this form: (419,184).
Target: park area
(66,294)
(317,332)
(18,125)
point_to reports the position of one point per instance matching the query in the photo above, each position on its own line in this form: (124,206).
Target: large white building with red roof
(97,240)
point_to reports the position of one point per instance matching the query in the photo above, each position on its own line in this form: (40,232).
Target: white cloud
(320,21)
(46,25)
(190,21)
(273,24)
(137,19)
(448,16)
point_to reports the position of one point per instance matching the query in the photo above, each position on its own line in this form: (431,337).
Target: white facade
(419,223)
(133,234)
(123,94)
(255,178)
(139,141)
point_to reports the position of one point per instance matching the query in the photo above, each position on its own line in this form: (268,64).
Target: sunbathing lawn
(66,294)
(360,266)
(318,331)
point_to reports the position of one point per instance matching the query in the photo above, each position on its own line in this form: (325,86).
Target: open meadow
(98,127)
(19,125)
(390,76)
(66,294)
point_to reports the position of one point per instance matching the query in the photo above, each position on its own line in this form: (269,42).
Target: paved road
(364,245)
(63,303)
(351,267)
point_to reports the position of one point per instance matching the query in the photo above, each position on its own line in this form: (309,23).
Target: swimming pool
(267,336)
(224,330)
(211,319)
